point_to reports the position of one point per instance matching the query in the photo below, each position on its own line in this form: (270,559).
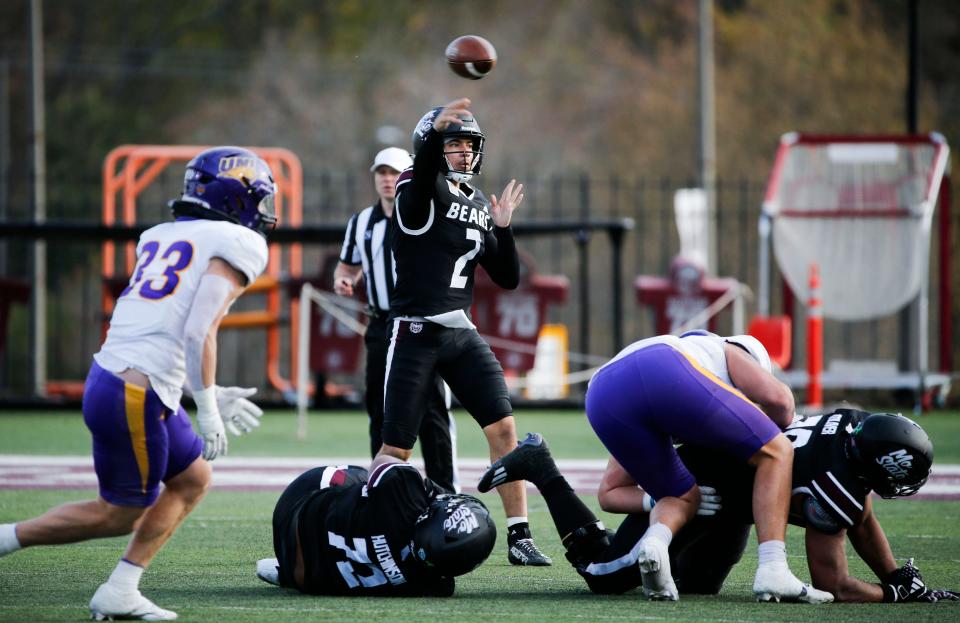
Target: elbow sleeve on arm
(501,260)
(212,295)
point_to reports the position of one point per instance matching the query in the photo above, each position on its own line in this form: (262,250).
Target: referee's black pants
(436,442)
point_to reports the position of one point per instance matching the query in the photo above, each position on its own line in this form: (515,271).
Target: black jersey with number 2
(442,232)
(356,539)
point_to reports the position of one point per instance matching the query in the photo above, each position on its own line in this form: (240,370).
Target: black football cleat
(524,462)
(524,552)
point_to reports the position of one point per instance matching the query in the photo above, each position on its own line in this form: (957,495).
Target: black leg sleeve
(704,552)
(436,438)
(376,343)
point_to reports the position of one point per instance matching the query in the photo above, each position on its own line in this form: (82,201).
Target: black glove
(905,585)
(943,594)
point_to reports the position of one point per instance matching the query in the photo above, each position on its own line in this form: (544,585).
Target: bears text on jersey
(469,214)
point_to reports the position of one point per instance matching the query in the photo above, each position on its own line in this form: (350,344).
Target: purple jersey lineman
(656,393)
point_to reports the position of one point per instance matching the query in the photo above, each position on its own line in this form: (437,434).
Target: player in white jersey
(162,339)
(711,391)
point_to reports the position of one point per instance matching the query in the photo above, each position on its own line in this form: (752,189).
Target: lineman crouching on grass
(835,468)
(717,392)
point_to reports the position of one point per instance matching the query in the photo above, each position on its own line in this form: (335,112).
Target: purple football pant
(642,404)
(137,441)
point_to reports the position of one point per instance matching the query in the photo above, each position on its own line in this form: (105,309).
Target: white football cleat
(111,603)
(654,560)
(268,570)
(776,582)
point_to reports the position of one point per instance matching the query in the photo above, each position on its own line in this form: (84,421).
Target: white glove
(210,423)
(240,416)
(709,501)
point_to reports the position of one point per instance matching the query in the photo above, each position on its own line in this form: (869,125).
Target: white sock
(8,539)
(512,521)
(772,552)
(126,575)
(660,532)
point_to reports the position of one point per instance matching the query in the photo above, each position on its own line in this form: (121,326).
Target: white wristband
(648,502)
(206,400)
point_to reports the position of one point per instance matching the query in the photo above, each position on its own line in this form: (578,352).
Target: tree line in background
(596,89)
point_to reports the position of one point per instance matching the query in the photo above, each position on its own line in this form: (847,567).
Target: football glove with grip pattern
(905,585)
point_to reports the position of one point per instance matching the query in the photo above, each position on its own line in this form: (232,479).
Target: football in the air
(471,56)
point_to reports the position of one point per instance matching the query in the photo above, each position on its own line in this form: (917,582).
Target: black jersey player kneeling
(340,530)
(839,458)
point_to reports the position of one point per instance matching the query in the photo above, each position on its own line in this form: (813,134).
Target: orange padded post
(814,340)
(775,333)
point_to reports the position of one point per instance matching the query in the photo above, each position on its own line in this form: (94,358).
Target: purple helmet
(229,184)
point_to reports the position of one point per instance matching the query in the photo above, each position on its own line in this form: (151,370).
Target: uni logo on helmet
(240,168)
(229,184)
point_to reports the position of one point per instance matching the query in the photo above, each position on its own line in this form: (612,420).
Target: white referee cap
(393,157)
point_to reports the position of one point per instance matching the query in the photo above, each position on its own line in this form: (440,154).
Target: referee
(365,255)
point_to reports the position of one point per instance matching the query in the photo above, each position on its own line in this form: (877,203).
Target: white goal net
(861,208)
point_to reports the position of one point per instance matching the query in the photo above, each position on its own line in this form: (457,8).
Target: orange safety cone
(814,340)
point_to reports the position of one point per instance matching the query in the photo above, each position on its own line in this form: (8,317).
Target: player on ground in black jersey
(444,229)
(839,458)
(338,530)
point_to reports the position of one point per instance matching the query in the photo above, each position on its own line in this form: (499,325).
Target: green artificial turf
(344,434)
(206,571)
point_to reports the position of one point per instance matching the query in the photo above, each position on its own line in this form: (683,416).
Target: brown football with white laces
(471,56)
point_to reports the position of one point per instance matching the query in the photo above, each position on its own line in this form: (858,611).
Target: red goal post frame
(129,169)
(935,192)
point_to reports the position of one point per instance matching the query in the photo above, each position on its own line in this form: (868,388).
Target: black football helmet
(454,535)
(468,128)
(891,453)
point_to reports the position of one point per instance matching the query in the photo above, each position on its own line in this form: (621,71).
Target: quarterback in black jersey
(444,228)
(839,459)
(339,530)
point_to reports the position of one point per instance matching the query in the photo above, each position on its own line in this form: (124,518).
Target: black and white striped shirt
(365,244)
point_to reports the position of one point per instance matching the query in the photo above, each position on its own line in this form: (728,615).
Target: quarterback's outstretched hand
(451,114)
(240,416)
(210,423)
(510,200)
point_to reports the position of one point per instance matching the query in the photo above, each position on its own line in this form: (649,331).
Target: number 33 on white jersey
(146,330)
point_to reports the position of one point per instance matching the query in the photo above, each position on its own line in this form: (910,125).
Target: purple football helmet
(229,184)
